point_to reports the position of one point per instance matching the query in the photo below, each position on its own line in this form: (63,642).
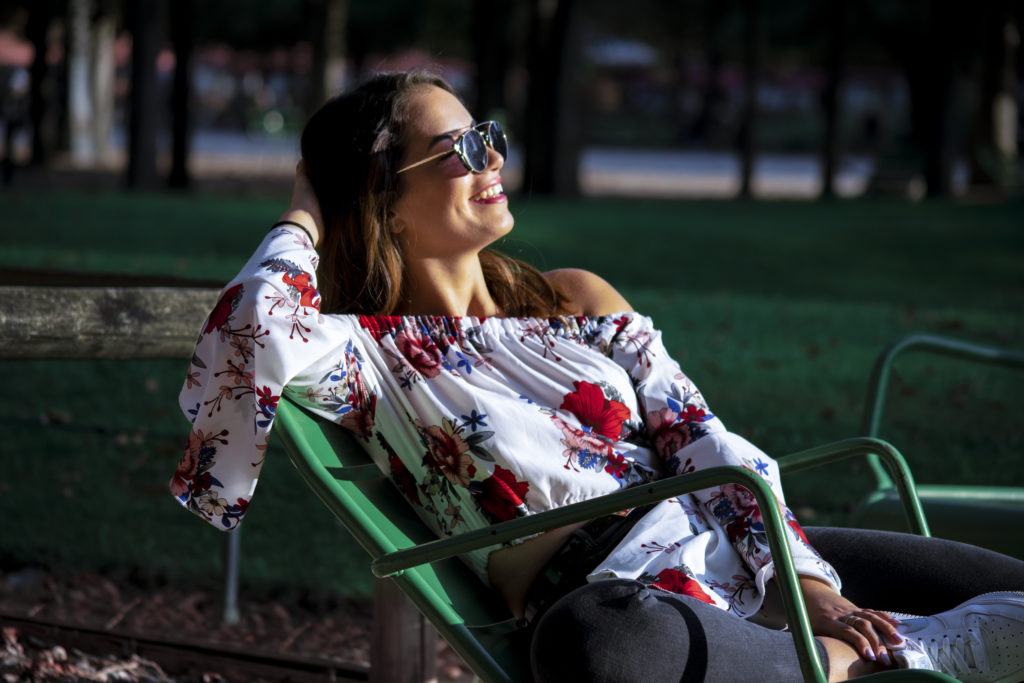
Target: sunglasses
(471,147)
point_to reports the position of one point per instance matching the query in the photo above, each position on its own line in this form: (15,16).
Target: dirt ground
(287,626)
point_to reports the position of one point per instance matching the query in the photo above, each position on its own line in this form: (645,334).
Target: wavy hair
(351,148)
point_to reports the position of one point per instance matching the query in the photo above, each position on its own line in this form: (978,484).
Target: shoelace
(958,656)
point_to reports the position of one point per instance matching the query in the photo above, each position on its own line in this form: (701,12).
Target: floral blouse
(478,420)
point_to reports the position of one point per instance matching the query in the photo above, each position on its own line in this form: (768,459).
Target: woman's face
(444,210)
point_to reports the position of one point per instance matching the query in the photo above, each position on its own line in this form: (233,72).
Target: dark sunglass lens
(474,151)
(498,139)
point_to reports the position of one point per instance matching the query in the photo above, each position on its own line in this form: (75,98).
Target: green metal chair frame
(963,513)
(470,616)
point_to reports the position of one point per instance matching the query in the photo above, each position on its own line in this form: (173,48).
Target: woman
(488,390)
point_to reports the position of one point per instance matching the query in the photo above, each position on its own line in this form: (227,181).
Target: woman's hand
(305,208)
(869,631)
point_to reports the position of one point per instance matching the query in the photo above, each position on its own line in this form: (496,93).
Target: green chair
(468,615)
(989,516)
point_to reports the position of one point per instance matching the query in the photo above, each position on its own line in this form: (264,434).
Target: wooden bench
(80,319)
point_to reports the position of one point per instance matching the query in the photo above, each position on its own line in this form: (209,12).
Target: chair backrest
(468,614)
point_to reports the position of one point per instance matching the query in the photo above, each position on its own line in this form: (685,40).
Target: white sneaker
(980,641)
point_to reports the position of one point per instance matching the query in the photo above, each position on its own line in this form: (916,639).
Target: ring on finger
(849,620)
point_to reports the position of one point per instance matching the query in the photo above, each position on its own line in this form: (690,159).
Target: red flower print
(675,581)
(379,326)
(403,477)
(267,397)
(738,528)
(223,310)
(666,432)
(743,501)
(501,494)
(692,413)
(795,526)
(186,471)
(420,351)
(593,410)
(308,296)
(616,465)
(360,419)
(448,453)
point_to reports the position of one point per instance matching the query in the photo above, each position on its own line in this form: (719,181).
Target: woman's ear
(395,224)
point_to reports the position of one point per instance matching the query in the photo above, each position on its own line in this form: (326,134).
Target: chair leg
(403,646)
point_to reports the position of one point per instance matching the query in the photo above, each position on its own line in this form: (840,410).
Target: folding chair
(470,616)
(989,516)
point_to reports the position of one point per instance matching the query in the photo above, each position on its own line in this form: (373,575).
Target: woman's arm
(263,332)
(304,208)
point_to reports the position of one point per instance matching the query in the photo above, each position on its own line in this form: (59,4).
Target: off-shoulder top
(478,420)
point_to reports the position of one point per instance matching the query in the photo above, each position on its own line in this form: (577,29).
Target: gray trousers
(618,631)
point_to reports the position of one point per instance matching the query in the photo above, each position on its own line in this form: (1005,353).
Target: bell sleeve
(688,437)
(264,330)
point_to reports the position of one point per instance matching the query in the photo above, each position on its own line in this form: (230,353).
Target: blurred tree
(491,53)
(79,101)
(993,158)
(45,104)
(927,41)
(752,30)
(553,139)
(328,22)
(102,75)
(147,29)
(92,30)
(834,26)
(182,16)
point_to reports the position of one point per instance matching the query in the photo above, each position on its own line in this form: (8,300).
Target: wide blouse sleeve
(688,437)
(264,330)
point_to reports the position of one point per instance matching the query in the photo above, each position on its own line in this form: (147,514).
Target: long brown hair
(351,148)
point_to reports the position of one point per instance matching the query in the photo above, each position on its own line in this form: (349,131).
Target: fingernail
(884,656)
(897,639)
(869,654)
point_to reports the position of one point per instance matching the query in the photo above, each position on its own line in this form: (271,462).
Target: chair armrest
(878,385)
(785,569)
(892,459)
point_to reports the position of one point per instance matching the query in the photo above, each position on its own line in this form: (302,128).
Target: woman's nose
(494,160)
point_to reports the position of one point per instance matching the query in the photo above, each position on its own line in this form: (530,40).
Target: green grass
(776,310)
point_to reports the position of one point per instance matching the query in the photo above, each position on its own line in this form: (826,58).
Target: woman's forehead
(436,112)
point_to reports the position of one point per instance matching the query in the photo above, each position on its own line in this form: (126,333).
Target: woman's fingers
(871,632)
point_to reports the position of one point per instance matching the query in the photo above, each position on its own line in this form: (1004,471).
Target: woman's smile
(492,194)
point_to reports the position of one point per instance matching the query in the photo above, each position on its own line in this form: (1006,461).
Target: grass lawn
(775,309)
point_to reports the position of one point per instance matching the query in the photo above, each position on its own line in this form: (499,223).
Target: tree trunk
(835,18)
(490,52)
(704,128)
(931,77)
(43,101)
(79,100)
(147,16)
(552,130)
(103,72)
(182,12)
(328,26)
(748,123)
(994,140)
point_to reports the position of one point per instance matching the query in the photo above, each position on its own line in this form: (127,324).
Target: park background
(784,186)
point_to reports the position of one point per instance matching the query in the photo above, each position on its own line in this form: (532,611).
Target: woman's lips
(490,195)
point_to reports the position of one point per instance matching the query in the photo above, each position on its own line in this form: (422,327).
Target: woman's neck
(446,287)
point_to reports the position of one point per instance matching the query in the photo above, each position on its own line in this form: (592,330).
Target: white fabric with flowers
(480,420)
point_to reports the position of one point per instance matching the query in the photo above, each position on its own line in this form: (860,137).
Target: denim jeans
(621,631)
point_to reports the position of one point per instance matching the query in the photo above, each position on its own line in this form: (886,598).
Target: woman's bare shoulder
(589,294)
